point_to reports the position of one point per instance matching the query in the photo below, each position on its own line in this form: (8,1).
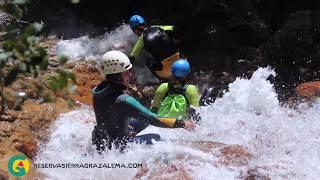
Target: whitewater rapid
(87,48)
(122,38)
(284,142)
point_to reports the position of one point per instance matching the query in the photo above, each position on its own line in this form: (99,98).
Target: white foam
(86,48)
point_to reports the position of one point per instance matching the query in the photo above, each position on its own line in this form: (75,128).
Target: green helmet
(174,105)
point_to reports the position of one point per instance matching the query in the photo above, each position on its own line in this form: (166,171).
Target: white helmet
(114,62)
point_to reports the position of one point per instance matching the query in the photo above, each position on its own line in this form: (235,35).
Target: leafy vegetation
(21,53)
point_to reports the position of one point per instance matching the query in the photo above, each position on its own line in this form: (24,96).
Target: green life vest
(175,104)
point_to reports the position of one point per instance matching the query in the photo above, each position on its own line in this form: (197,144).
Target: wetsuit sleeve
(193,96)
(159,96)
(137,48)
(135,109)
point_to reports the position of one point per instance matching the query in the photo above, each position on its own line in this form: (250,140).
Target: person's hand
(189,125)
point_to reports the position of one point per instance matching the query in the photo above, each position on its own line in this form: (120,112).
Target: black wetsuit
(211,94)
(158,42)
(117,114)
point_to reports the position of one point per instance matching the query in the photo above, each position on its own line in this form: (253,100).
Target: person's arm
(137,48)
(138,111)
(192,95)
(159,96)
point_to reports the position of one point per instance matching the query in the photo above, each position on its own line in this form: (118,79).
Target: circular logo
(18,165)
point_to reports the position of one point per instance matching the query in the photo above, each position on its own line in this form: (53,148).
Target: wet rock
(143,93)
(6,129)
(23,88)
(169,167)
(148,94)
(40,116)
(9,116)
(309,90)
(12,99)
(6,117)
(29,148)
(87,77)
(4,175)
(2,151)
(29,127)
(168,170)
(229,154)
(26,145)
(142,172)
(50,44)
(135,90)
(254,174)
(235,155)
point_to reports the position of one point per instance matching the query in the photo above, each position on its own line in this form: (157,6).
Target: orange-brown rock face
(87,77)
(27,127)
(29,148)
(309,90)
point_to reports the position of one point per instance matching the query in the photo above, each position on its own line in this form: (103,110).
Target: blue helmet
(180,68)
(135,21)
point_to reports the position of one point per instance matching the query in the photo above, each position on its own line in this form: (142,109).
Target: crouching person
(119,117)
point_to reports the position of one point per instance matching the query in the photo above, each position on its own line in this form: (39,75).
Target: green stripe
(165,27)
(137,48)
(135,103)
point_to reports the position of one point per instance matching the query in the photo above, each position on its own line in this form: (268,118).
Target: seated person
(176,99)
(119,116)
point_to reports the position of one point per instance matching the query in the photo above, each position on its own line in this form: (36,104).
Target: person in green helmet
(177,99)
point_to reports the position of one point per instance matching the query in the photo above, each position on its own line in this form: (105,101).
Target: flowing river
(284,142)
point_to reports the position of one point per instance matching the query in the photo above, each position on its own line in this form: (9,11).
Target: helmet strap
(179,79)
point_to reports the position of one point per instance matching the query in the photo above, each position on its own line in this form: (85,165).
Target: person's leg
(146,138)
(100,139)
(207,97)
(135,126)
(210,94)
(194,115)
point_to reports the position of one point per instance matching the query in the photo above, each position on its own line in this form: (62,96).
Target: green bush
(20,53)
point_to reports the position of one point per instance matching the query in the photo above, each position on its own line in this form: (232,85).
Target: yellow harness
(165,73)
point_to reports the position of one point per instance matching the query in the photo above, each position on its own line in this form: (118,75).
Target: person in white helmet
(120,117)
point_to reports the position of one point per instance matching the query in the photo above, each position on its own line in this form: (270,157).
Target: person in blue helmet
(119,117)
(177,98)
(161,41)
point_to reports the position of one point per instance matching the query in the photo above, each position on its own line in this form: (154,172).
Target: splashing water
(122,39)
(92,49)
(284,143)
